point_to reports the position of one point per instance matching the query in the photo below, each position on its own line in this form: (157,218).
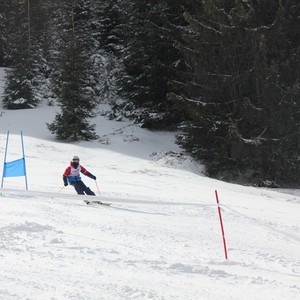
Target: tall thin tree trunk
(29,21)
(73,25)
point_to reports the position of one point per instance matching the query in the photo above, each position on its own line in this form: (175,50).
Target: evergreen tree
(75,97)
(75,102)
(2,37)
(277,86)
(108,48)
(149,59)
(243,114)
(18,92)
(19,88)
(108,25)
(26,80)
(8,26)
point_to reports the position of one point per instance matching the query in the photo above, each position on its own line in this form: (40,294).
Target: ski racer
(72,176)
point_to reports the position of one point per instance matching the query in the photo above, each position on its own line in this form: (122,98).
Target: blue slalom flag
(14,168)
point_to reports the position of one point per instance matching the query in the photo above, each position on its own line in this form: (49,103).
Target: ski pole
(98,188)
(60,189)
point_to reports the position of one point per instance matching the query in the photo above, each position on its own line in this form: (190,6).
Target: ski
(97,202)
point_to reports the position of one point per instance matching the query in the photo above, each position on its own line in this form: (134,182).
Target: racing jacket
(72,174)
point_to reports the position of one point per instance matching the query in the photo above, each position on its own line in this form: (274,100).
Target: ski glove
(65,181)
(91,176)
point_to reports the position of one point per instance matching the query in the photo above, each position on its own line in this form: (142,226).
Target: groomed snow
(160,239)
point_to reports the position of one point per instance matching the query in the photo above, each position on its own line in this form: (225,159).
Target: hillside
(160,238)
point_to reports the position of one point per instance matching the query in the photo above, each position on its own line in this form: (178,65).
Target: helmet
(75,158)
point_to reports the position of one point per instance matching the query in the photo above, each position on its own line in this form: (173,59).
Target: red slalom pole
(221,222)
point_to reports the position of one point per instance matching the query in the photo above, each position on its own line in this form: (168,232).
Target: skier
(72,176)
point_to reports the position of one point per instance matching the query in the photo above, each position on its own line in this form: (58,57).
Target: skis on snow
(97,202)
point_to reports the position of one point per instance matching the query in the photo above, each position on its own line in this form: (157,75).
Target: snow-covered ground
(160,238)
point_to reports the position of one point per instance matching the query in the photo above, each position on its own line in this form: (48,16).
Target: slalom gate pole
(24,166)
(7,136)
(98,188)
(221,222)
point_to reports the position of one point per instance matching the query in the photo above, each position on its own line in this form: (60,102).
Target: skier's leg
(78,187)
(87,190)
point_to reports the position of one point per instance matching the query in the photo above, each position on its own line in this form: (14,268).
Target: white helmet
(75,158)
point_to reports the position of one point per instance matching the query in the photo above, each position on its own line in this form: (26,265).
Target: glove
(65,183)
(91,176)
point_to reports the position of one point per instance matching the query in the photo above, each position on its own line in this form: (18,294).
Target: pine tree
(107,56)
(2,36)
(244,117)
(109,18)
(18,92)
(76,105)
(278,88)
(209,48)
(26,80)
(149,59)
(8,26)
(75,97)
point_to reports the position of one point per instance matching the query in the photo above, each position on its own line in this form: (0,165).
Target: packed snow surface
(161,237)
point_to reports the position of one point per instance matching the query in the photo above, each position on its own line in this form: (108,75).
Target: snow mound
(177,160)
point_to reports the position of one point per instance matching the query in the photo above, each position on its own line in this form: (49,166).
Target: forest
(224,74)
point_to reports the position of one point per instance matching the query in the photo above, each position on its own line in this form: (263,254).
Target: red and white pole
(98,188)
(221,222)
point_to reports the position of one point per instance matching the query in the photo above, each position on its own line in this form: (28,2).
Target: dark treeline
(224,72)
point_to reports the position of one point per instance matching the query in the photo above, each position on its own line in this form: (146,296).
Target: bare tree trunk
(73,25)
(29,21)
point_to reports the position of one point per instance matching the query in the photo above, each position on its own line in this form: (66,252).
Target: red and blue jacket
(72,174)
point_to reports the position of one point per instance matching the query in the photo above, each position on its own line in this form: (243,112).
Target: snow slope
(161,237)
